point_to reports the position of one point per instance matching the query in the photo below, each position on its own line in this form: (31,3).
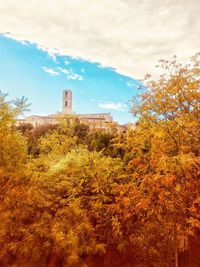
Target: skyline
(100,52)
(42,78)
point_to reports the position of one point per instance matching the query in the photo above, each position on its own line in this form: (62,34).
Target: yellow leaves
(142,204)
(100,249)
(13,151)
(73,258)
(172,106)
(195,223)
(116,227)
(178,188)
(56,144)
(169,179)
(169,165)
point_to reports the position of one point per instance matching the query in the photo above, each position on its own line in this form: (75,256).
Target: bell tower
(67,102)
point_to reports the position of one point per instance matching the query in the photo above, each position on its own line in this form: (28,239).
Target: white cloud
(71,75)
(66,62)
(64,70)
(128,35)
(74,76)
(130,84)
(50,71)
(53,57)
(113,106)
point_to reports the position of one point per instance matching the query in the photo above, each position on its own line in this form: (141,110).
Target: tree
(166,144)
(12,145)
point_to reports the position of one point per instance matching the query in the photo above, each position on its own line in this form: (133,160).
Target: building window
(65,103)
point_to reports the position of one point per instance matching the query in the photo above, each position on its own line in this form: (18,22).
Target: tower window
(66,104)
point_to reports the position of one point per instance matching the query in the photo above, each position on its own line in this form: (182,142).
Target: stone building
(94,121)
(67,102)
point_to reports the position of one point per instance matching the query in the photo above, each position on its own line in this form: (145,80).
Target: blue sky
(26,70)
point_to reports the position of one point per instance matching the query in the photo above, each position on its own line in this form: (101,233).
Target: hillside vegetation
(72,197)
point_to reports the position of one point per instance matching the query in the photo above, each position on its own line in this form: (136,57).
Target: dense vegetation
(72,197)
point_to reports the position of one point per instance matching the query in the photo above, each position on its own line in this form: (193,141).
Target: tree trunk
(189,252)
(175,244)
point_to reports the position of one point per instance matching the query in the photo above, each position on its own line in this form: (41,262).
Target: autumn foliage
(72,197)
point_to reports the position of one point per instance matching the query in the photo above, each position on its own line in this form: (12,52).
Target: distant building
(67,102)
(21,121)
(94,121)
(98,120)
(36,120)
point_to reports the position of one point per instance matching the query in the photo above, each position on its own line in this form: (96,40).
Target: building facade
(94,121)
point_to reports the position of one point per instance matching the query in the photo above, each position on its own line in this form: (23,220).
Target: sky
(98,49)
